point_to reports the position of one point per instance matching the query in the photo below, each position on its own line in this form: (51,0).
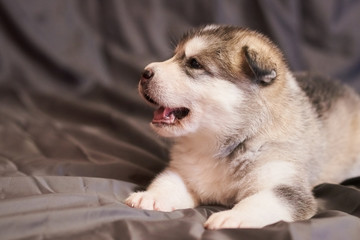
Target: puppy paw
(149,201)
(234,219)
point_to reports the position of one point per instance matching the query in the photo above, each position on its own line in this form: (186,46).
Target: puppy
(248,133)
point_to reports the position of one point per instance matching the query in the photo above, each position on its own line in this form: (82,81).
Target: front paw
(234,219)
(224,219)
(149,201)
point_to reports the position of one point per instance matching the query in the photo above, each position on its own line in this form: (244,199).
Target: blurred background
(72,123)
(74,43)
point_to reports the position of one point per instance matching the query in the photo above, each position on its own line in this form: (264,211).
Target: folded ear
(262,69)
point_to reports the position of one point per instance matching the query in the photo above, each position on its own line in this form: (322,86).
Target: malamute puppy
(248,133)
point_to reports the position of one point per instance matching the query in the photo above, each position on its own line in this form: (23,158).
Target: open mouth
(166,115)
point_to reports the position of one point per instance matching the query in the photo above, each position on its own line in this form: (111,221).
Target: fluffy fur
(248,133)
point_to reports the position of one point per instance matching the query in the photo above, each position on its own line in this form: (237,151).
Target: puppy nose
(147,74)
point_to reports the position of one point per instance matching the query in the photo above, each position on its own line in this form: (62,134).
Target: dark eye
(193,63)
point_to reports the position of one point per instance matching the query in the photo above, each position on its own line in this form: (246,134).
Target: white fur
(211,27)
(256,211)
(166,193)
(194,46)
(275,173)
(175,89)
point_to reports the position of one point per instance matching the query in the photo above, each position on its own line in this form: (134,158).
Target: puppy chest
(213,182)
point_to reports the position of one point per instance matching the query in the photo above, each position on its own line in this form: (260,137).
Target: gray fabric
(74,135)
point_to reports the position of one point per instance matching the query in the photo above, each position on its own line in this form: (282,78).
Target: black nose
(148,74)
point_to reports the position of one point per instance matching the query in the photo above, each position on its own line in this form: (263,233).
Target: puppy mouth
(167,115)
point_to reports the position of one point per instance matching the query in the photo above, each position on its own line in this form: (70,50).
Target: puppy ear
(262,69)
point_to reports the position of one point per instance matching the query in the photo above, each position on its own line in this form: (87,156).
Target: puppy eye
(193,63)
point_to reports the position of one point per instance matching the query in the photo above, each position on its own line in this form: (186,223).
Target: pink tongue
(163,115)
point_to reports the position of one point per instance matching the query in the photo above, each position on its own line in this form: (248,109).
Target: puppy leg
(266,207)
(166,193)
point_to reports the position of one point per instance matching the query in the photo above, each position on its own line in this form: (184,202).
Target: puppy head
(213,83)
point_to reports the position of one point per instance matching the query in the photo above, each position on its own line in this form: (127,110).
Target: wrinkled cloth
(75,139)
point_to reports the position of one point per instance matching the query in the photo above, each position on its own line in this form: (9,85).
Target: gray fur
(321,91)
(297,198)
